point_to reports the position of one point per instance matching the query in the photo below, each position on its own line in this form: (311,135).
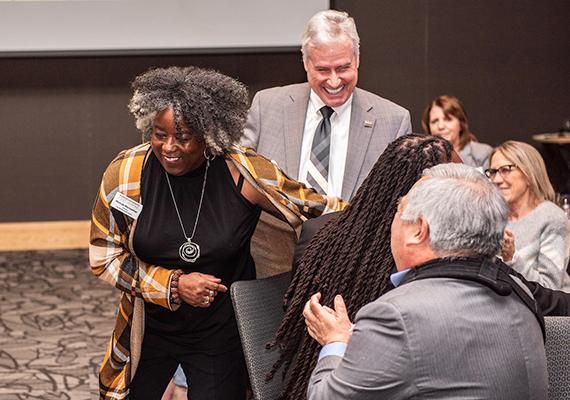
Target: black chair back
(558,357)
(258,306)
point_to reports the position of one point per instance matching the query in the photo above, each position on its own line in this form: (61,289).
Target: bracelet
(174,297)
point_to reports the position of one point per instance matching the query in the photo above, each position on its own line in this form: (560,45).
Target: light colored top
(340,127)
(542,243)
(476,155)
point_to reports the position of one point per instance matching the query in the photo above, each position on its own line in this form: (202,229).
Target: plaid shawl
(113,260)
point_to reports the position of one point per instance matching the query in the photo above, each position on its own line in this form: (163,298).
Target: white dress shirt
(340,126)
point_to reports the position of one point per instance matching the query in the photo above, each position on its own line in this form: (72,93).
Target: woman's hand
(198,289)
(508,250)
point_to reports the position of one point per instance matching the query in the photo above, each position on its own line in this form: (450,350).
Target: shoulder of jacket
(127,164)
(137,151)
(278,91)
(370,99)
(249,158)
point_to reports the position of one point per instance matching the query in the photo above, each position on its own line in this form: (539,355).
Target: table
(557,149)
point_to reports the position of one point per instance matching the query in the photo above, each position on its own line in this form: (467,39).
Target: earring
(208,155)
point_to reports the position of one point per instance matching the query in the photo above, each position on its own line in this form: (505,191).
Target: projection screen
(52,27)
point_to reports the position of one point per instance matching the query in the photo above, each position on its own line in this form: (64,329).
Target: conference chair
(258,306)
(558,357)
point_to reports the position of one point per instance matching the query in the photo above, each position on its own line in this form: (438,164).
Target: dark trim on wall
(146,52)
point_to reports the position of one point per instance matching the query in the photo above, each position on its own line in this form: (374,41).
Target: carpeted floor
(55,322)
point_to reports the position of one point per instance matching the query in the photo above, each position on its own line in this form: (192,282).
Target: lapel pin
(368,124)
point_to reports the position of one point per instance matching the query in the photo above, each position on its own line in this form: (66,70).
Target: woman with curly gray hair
(171,228)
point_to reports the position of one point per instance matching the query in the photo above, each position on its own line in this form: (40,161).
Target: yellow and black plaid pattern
(112,257)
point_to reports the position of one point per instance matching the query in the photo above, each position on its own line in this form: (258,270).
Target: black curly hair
(212,105)
(351,254)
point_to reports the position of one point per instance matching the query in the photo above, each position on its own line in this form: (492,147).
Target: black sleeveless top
(225,226)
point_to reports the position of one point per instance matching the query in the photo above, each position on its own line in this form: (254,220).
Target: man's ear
(420,232)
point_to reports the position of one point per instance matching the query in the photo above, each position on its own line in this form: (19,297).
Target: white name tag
(126,205)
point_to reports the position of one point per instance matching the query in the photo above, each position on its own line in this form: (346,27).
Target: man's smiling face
(332,71)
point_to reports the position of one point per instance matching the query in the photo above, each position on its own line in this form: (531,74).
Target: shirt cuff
(333,349)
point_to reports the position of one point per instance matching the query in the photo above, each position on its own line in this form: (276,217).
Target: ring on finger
(206,300)
(212,293)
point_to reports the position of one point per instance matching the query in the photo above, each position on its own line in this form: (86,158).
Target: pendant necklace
(189,251)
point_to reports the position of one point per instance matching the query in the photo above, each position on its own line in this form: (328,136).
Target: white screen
(142,25)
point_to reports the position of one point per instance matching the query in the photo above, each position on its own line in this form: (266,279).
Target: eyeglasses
(503,170)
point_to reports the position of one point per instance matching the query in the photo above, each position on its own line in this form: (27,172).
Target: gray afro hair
(212,105)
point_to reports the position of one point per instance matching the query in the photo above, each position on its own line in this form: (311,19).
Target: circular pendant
(189,251)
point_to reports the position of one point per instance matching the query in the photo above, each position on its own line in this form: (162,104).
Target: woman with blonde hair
(446,117)
(540,229)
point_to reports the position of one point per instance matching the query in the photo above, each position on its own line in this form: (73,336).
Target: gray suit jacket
(438,339)
(276,122)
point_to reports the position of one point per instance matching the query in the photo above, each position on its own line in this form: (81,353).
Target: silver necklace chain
(189,251)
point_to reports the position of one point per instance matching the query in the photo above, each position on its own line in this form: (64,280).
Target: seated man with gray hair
(456,326)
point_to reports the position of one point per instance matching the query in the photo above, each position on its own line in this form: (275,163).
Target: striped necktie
(318,171)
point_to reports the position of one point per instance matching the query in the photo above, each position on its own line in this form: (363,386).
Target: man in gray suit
(282,121)
(456,326)
(326,132)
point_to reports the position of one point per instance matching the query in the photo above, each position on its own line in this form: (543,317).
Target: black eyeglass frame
(507,168)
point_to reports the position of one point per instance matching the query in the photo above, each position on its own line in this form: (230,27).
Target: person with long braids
(457,325)
(350,255)
(171,229)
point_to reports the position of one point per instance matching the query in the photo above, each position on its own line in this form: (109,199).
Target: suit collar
(295,114)
(362,125)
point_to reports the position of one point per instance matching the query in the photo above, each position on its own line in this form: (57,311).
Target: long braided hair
(351,254)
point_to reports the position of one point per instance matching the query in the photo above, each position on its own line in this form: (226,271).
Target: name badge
(126,205)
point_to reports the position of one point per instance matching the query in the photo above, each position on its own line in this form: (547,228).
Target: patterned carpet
(55,321)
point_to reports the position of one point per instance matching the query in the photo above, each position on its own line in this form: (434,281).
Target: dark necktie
(318,171)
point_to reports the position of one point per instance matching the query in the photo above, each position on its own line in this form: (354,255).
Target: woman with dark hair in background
(351,254)
(446,117)
(171,228)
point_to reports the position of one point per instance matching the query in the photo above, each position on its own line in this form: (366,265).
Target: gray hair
(465,212)
(327,27)
(212,105)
